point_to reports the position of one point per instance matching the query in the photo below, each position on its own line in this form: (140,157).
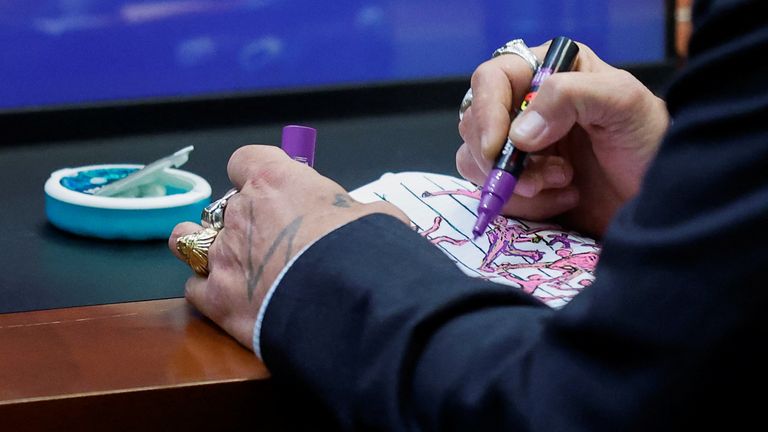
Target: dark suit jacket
(383,329)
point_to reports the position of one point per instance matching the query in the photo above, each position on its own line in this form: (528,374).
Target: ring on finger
(194,248)
(213,214)
(516,47)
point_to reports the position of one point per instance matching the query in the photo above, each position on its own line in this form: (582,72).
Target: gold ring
(194,248)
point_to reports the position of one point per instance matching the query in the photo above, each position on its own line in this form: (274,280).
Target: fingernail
(527,126)
(554,175)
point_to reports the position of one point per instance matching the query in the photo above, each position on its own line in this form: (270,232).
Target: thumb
(564,100)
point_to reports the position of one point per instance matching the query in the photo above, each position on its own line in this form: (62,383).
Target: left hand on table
(282,206)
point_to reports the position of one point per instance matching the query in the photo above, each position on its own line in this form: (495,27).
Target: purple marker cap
(299,143)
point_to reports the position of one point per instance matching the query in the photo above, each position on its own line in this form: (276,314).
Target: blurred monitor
(60,53)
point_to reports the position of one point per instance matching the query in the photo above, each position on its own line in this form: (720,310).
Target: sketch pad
(148,212)
(543,259)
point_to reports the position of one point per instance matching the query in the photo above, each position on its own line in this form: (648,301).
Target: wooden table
(152,365)
(136,362)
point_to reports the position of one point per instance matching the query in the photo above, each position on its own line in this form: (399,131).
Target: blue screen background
(63,52)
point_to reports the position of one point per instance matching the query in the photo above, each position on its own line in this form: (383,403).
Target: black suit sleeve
(380,326)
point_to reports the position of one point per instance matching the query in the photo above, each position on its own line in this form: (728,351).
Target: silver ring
(515,46)
(518,47)
(466,102)
(213,213)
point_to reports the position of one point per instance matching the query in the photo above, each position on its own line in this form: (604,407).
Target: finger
(544,172)
(468,167)
(259,163)
(179,230)
(592,100)
(464,128)
(228,308)
(498,87)
(494,93)
(544,205)
(491,105)
(518,72)
(586,61)
(468,131)
(222,257)
(195,290)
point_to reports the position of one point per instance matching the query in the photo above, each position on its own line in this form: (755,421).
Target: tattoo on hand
(287,234)
(342,200)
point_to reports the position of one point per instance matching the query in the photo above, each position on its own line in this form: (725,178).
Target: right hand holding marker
(591,134)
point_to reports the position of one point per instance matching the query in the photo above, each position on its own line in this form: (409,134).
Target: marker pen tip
(483,218)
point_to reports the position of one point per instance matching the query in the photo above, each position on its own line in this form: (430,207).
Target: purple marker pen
(509,165)
(299,143)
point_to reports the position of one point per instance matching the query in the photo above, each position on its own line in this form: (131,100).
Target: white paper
(541,259)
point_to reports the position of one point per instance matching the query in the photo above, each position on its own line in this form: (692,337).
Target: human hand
(282,206)
(592,134)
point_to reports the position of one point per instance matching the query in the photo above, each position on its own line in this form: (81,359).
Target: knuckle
(631,90)
(481,73)
(267,175)
(560,93)
(217,254)
(192,293)
(215,298)
(245,157)
(585,50)
(625,77)
(240,155)
(189,293)
(234,215)
(558,87)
